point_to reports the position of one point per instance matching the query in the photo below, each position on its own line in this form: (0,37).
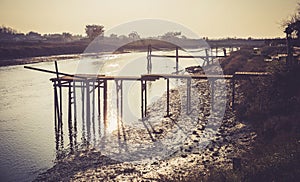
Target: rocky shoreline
(206,146)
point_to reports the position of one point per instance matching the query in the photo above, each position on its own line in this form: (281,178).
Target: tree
(113,36)
(7,30)
(171,35)
(94,31)
(293,25)
(67,35)
(292,31)
(134,36)
(7,33)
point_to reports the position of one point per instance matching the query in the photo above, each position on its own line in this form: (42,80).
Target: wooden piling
(207,56)
(177,61)
(56,116)
(149,62)
(142,99)
(168,97)
(60,123)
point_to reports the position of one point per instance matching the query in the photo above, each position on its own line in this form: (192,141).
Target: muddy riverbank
(206,145)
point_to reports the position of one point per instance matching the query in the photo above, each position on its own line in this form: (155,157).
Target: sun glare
(112,124)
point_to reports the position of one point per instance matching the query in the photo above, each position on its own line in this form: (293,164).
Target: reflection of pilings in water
(93,111)
(75,113)
(60,123)
(99,109)
(105,105)
(207,57)
(121,114)
(70,117)
(144,108)
(88,116)
(82,111)
(119,89)
(56,116)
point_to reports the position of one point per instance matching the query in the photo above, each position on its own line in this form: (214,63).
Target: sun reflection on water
(112,124)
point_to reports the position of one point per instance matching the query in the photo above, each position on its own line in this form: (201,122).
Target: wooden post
(121,96)
(149,62)
(60,124)
(207,56)
(168,97)
(56,116)
(143,98)
(224,51)
(99,107)
(177,61)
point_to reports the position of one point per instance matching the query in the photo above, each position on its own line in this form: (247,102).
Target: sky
(207,18)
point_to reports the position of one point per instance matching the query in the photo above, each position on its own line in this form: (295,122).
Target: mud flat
(206,145)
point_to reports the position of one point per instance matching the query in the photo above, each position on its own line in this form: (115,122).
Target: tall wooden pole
(177,61)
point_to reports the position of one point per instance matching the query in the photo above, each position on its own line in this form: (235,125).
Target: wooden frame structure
(91,87)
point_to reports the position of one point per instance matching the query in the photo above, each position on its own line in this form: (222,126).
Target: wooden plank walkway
(153,77)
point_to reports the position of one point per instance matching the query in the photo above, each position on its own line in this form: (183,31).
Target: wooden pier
(94,91)
(208,58)
(91,86)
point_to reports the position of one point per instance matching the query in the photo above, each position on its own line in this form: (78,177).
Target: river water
(27,135)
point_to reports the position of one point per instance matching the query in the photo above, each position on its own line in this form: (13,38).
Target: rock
(183,155)
(155,163)
(215,154)
(201,127)
(187,150)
